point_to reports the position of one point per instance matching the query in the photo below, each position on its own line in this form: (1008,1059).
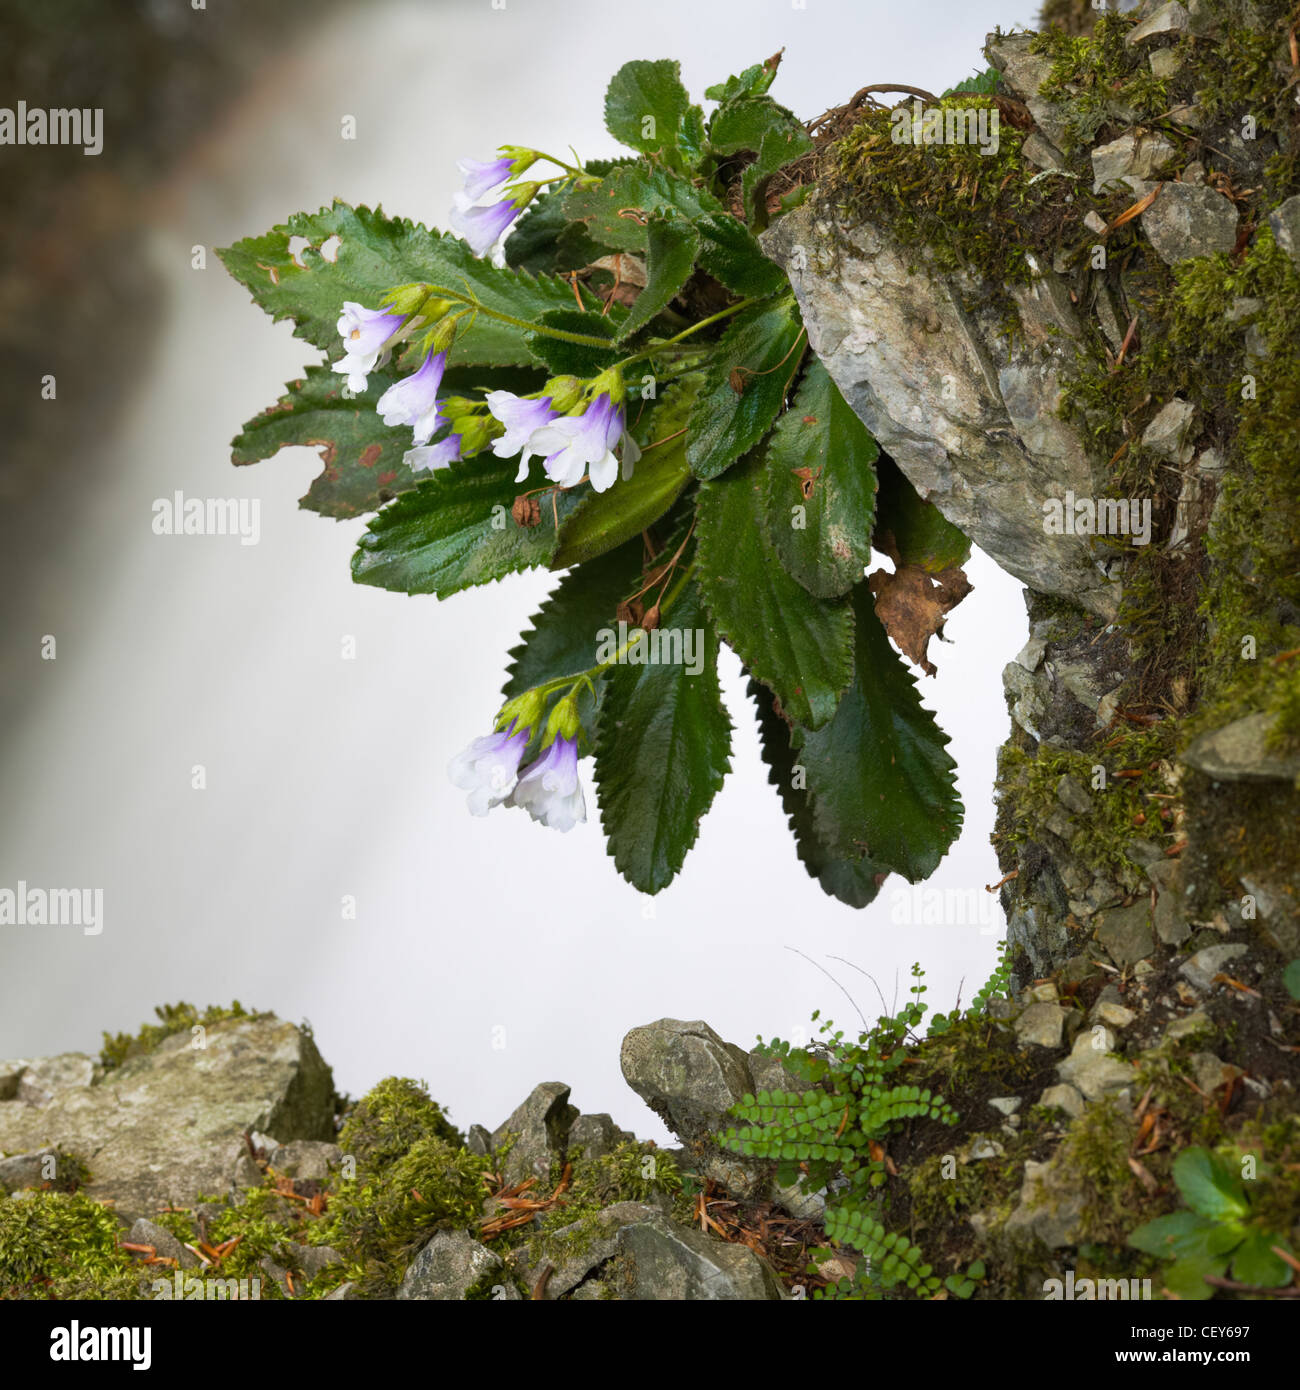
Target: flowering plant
(625,392)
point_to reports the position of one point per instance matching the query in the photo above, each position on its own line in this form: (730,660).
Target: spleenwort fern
(996,987)
(830,1136)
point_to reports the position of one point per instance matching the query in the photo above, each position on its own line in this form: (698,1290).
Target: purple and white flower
(549,789)
(522,419)
(414,400)
(489,768)
(583,444)
(482,226)
(365,333)
(481,176)
(431,456)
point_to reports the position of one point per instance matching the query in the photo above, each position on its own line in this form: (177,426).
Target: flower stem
(694,328)
(460,297)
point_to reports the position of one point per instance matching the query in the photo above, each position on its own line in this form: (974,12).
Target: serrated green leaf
(820,488)
(751,369)
(538,241)
(575,359)
(852,881)
(753,80)
(456,531)
(774,135)
(1186,1276)
(606,519)
(690,138)
(645,104)
(375,253)
(645,189)
(671,248)
(730,252)
(798,645)
(1209,1186)
(879,774)
(921,534)
(362,456)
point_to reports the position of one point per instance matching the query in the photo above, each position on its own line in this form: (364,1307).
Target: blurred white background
(486,955)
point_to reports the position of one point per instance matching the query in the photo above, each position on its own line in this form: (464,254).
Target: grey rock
(1126,933)
(771,1074)
(583,1247)
(1050,1210)
(671,1263)
(1169,917)
(312,1259)
(1090,1068)
(1041,1024)
(169,1124)
(1285,222)
(1168,19)
(1111,1014)
(541,1126)
(1072,796)
(164,1244)
(1165,62)
(20,1171)
(1211,1072)
(1189,1025)
(1140,156)
(478,1140)
(1040,152)
(975,431)
(803,1206)
(47,1077)
(1063,1097)
(1186,221)
(306,1159)
(1006,1105)
(983,1148)
(345,1293)
(1169,435)
(1199,972)
(1242,752)
(449,1266)
(596,1135)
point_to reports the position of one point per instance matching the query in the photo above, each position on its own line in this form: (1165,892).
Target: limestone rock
(1090,1068)
(1126,933)
(596,1135)
(1041,1024)
(169,1124)
(1285,222)
(1169,435)
(306,1159)
(165,1244)
(1186,221)
(1200,971)
(1063,1097)
(449,1266)
(1242,752)
(1050,1209)
(47,1077)
(671,1263)
(584,1246)
(1168,19)
(542,1125)
(1139,156)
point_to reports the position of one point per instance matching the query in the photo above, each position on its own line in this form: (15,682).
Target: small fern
(997,986)
(830,1135)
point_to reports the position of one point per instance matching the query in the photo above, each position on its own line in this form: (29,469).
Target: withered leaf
(913,606)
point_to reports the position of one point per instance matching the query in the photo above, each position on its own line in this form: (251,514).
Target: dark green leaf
(879,774)
(671,248)
(753,81)
(575,359)
(539,244)
(755,361)
(645,103)
(691,136)
(1209,1186)
(1257,1265)
(456,531)
(644,189)
(774,135)
(375,253)
(798,645)
(821,488)
(732,255)
(1291,979)
(852,881)
(663,746)
(921,534)
(1180,1233)
(1186,1276)
(606,519)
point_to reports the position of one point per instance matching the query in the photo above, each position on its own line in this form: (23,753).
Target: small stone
(1206,964)
(803,1206)
(449,1266)
(1169,435)
(1050,1207)
(1095,222)
(541,1126)
(1091,1069)
(1242,752)
(1006,1105)
(1063,1097)
(1194,173)
(982,1148)
(306,1160)
(1046,993)
(1042,1025)
(1040,151)
(1168,19)
(312,1259)
(21,1171)
(1114,1015)
(1211,463)
(1211,1072)
(1186,221)
(1165,62)
(478,1140)
(1189,1025)
(1285,222)
(1072,796)
(1031,654)
(575,1251)
(1136,156)
(164,1244)
(1126,933)
(1169,917)
(345,1293)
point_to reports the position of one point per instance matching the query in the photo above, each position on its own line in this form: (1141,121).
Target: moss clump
(59,1245)
(390,1119)
(172,1018)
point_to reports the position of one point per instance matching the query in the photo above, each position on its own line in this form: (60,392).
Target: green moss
(172,1018)
(62,1245)
(389,1119)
